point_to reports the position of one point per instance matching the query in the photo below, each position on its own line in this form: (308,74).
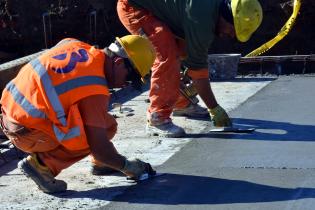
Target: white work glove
(134,168)
(219,117)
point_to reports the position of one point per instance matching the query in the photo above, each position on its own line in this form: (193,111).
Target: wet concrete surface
(272,168)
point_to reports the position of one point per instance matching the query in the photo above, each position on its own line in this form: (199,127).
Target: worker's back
(178,14)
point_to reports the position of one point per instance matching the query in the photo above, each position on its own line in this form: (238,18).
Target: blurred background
(29,26)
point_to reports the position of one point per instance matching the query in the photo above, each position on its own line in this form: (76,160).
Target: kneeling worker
(55,109)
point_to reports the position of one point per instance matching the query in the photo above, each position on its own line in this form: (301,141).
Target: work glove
(134,168)
(219,117)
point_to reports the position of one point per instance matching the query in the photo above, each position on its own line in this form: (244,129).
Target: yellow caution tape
(281,34)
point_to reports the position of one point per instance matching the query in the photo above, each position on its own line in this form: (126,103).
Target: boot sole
(29,172)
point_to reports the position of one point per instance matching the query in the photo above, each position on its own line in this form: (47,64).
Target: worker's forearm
(204,90)
(102,149)
(109,156)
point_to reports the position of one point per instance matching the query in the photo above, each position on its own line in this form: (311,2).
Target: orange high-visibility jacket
(45,93)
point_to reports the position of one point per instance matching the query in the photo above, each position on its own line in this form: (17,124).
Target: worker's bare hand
(134,168)
(219,117)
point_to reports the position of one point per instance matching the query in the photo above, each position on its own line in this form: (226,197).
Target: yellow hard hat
(247,15)
(140,52)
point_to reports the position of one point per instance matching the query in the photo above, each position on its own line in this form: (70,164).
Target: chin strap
(281,34)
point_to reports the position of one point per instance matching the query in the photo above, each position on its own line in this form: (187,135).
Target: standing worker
(185,29)
(56,108)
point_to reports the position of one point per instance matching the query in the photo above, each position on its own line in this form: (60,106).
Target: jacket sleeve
(199,29)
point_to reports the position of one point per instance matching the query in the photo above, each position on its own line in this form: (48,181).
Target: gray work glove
(134,168)
(219,117)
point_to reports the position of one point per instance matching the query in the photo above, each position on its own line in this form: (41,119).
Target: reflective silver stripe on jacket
(24,103)
(49,90)
(79,82)
(73,132)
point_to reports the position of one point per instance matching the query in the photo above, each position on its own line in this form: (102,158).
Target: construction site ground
(218,173)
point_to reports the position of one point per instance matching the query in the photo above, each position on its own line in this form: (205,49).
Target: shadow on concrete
(9,158)
(176,189)
(9,165)
(265,131)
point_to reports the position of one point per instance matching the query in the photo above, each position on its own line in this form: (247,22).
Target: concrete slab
(87,191)
(273,169)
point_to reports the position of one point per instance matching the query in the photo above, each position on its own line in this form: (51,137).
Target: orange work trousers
(164,91)
(55,156)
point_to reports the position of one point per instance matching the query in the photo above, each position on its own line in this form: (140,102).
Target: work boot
(192,111)
(102,170)
(168,130)
(41,175)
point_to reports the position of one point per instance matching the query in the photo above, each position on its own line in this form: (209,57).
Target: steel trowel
(148,174)
(231,130)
